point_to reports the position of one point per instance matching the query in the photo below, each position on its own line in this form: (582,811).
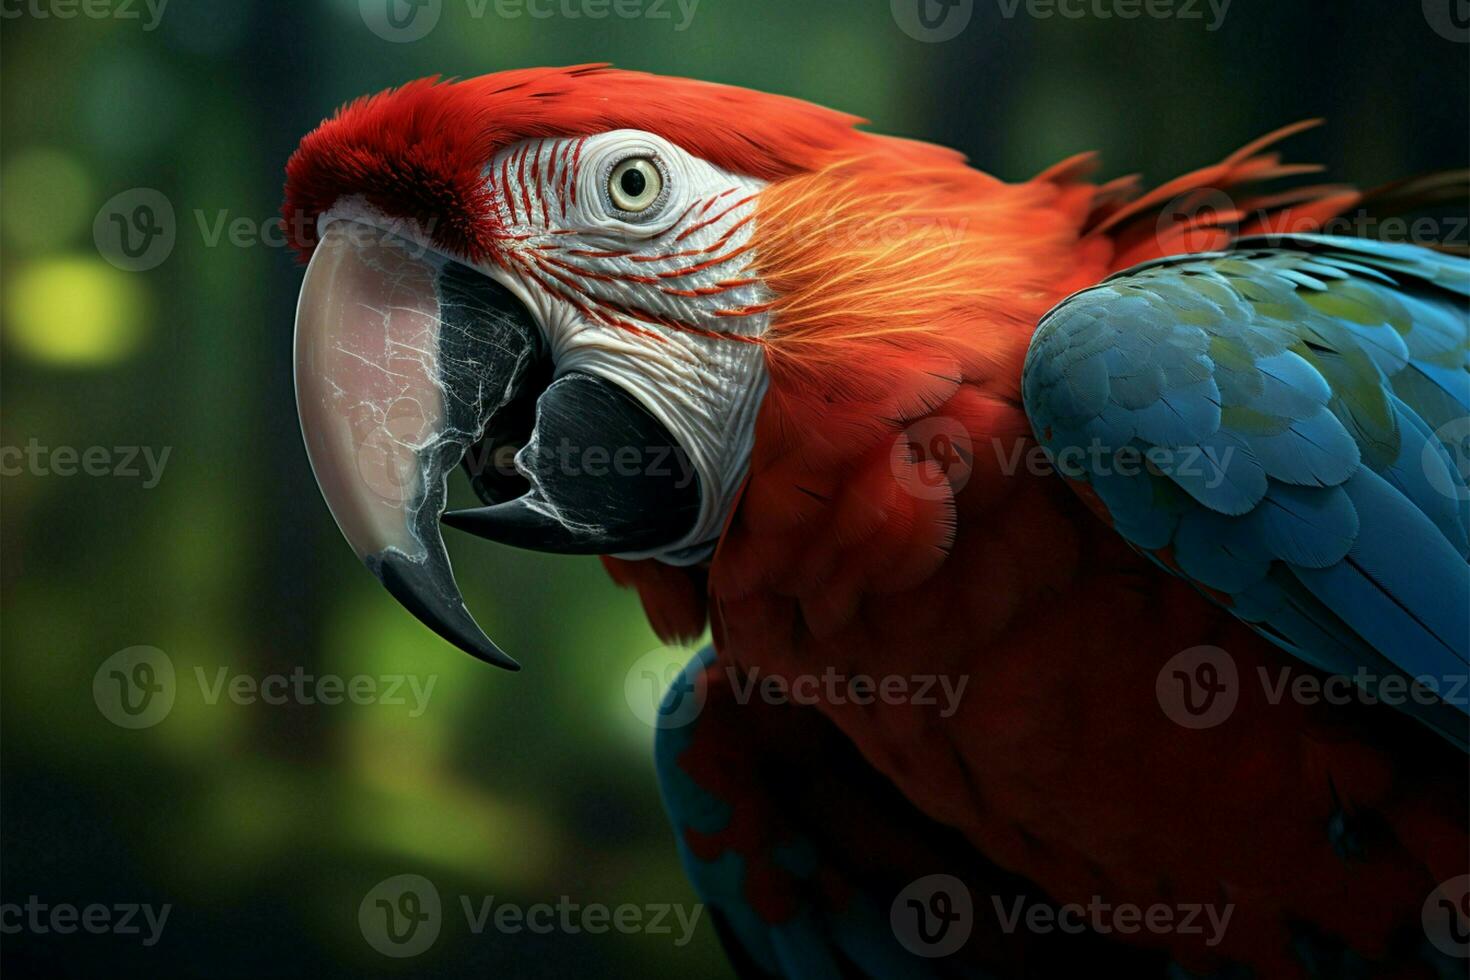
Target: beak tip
(502,661)
(517,524)
(437,605)
(460,520)
(490,653)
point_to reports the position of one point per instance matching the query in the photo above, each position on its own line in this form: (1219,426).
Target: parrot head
(620,298)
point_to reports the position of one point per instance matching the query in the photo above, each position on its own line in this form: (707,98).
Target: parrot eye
(635,187)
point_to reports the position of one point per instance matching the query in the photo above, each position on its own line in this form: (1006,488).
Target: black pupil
(633,182)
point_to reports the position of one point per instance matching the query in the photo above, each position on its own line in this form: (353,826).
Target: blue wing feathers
(1425,474)
(1324,384)
(1313,450)
(1227,477)
(1380,589)
(1306,528)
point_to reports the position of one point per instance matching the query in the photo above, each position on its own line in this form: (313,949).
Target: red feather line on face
(568,274)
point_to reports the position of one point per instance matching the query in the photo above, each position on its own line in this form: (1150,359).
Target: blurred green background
(264,826)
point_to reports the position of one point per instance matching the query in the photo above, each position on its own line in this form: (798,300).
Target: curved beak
(406,360)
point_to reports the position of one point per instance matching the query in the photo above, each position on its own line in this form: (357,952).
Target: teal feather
(1380,589)
(1330,380)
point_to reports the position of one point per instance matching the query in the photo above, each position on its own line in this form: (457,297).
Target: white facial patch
(661,301)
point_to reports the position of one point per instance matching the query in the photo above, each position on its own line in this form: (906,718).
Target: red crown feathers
(418,151)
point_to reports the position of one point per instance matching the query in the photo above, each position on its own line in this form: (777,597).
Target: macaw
(866,412)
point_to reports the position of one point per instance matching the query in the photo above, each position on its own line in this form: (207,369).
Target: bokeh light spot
(74,311)
(46,195)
